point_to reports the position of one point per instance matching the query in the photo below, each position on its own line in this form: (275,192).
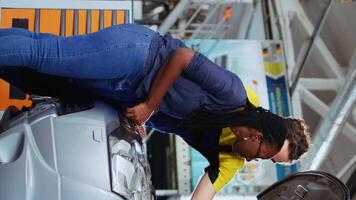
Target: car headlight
(130,170)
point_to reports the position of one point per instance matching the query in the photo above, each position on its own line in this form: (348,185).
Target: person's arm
(141,130)
(225,90)
(167,75)
(204,190)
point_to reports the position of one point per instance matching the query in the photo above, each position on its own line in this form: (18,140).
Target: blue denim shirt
(203,85)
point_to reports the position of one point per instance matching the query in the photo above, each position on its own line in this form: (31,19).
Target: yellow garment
(230,164)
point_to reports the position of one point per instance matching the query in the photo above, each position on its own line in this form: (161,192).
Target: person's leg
(26,79)
(25,33)
(115,52)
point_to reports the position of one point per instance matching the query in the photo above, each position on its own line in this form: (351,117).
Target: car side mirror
(309,185)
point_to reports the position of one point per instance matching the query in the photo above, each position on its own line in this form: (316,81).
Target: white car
(71,152)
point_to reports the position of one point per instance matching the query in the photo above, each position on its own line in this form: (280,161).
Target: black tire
(351,184)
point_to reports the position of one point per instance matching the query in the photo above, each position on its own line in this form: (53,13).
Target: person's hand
(140,113)
(141,130)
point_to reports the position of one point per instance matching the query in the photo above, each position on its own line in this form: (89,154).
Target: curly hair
(298,136)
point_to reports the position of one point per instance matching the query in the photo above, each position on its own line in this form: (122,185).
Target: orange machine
(49,22)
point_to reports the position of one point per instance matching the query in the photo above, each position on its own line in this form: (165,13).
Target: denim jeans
(108,63)
(110,53)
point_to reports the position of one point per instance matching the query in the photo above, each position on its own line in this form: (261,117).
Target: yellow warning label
(346,1)
(274,69)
